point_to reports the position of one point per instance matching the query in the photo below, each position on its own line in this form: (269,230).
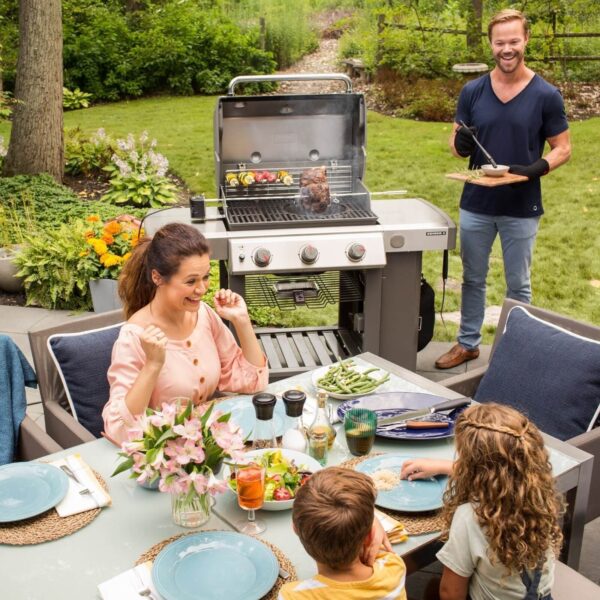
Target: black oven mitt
(537,169)
(463,140)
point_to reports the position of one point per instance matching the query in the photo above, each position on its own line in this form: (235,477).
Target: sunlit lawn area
(409,155)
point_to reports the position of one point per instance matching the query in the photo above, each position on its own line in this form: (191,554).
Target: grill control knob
(262,257)
(309,254)
(356,252)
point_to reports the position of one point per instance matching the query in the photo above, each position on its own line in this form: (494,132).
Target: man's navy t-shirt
(514,133)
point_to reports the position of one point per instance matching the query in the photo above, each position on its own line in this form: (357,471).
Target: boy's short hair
(506,15)
(333,515)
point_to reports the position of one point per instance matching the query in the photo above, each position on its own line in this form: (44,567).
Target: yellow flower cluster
(111,243)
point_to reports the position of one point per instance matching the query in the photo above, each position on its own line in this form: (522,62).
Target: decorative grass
(414,156)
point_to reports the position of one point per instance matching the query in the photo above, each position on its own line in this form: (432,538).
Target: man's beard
(515,63)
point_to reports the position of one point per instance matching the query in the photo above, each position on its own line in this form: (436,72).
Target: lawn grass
(409,155)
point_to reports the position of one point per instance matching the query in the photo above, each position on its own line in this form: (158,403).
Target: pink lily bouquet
(182,446)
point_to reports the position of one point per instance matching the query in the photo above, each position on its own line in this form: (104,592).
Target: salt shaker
(293,438)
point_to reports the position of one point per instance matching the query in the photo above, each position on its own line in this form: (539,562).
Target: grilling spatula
(485,152)
(413,414)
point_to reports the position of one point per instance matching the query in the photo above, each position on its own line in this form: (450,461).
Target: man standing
(513,112)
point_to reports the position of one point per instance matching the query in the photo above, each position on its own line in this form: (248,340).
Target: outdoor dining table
(73,566)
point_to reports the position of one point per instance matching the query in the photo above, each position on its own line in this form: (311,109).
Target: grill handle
(297,77)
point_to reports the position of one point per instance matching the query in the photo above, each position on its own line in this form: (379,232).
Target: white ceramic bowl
(492,171)
(299,458)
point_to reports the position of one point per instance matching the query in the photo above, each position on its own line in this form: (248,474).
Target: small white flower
(144,137)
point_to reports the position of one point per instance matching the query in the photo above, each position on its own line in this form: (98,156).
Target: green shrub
(87,154)
(52,203)
(53,268)
(74,99)
(173,46)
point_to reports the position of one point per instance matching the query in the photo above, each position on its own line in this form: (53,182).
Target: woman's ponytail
(136,288)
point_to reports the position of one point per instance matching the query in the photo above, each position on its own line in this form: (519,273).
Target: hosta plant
(138,175)
(87,154)
(74,99)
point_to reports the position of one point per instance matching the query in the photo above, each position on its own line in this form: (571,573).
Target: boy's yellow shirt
(386,583)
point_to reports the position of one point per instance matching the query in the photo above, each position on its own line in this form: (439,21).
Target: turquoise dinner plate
(409,496)
(29,489)
(214,565)
(242,413)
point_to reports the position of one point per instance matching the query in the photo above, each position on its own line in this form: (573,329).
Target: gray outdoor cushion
(546,372)
(82,360)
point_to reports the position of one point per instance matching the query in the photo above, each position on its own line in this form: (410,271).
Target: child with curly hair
(501,509)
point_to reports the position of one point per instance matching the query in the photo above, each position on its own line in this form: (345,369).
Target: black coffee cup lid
(294,402)
(264,403)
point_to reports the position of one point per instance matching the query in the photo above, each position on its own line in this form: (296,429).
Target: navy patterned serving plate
(393,404)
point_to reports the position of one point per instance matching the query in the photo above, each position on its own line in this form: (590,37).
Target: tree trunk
(36,139)
(474,17)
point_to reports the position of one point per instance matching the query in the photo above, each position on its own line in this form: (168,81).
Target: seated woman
(173,345)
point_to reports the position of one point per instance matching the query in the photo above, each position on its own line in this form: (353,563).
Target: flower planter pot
(9,282)
(104,295)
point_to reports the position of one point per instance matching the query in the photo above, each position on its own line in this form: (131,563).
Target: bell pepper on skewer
(232,179)
(285,178)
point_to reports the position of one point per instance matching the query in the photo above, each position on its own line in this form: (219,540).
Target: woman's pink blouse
(209,359)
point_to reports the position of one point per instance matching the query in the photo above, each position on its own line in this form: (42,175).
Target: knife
(413,414)
(485,152)
(282,572)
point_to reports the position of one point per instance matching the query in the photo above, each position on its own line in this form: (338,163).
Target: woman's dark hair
(163,253)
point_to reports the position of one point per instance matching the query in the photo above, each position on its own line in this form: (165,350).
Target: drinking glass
(360,425)
(250,481)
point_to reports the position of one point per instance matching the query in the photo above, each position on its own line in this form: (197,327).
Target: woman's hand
(377,540)
(154,343)
(231,306)
(423,468)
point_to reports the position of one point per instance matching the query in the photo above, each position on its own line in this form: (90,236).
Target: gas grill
(363,255)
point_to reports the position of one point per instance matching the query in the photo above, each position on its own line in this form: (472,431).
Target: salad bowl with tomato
(285,473)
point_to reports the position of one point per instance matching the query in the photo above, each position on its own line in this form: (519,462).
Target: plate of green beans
(346,380)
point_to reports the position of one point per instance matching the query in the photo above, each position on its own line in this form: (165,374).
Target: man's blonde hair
(506,15)
(333,515)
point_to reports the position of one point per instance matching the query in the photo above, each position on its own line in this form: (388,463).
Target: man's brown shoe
(457,355)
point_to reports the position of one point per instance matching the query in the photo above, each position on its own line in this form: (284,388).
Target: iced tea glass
(360,425)
(250,482)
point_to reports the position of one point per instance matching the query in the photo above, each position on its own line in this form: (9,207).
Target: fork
(145,592)
(70,473)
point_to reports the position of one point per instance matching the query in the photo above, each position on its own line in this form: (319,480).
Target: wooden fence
(554,35)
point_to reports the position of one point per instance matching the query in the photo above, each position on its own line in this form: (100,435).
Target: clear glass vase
(191,510)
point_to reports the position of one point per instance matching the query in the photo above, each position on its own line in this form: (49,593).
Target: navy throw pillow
(547,373)
(82,360)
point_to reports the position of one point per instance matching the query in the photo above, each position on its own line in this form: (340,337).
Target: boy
(333,517)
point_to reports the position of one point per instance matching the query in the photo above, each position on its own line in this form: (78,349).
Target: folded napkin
(74,502)
(394,529)
(128,585)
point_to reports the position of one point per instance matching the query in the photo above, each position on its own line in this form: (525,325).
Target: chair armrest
(63,428)
(34,441)
(467,383)
(590,442)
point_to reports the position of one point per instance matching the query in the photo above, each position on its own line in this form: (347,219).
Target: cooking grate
(316,290)
(267,213)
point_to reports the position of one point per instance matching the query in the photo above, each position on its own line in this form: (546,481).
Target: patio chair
(64,424)
(505,370)
(34,442)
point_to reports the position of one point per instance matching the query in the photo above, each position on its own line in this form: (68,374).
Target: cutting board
(486,181)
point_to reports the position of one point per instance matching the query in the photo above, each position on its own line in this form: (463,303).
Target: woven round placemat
(48,526)
(414,523)
(284,561)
